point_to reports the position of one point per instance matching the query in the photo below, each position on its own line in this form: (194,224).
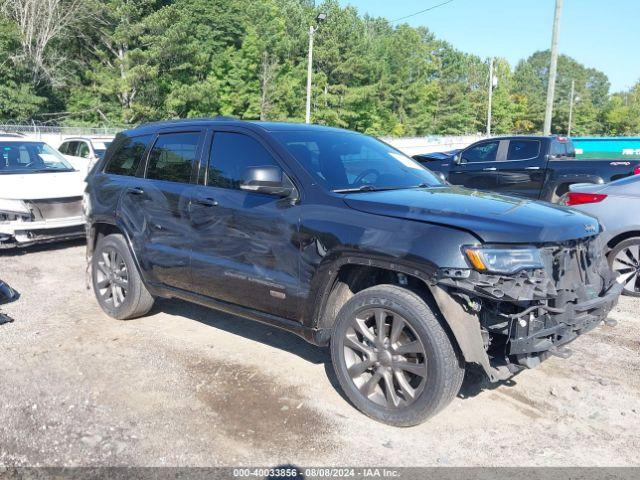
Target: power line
(421,11)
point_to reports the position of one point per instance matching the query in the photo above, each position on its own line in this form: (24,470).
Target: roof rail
(217,118)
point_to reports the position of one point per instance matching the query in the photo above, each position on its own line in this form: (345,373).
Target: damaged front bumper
(24,233)
(540,331)
(521,319)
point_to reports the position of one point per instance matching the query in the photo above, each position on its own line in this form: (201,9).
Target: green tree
(19,99)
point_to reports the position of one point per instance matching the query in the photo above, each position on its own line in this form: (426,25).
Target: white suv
(81,149)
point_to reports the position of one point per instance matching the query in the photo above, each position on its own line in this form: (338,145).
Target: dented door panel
(245,249)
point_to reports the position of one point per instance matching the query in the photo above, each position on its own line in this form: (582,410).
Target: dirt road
(190,386)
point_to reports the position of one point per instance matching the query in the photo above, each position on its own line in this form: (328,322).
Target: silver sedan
(617,206)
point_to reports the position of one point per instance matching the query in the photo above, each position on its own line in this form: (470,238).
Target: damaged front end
(27,222)
(527,316)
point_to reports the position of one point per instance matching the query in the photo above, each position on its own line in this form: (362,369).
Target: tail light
(636,171)
(578,198)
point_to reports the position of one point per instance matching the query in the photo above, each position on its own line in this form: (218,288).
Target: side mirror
(457,159)
(269,180)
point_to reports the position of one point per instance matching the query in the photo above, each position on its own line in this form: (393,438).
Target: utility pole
(312,30)
(490,97)
(573,89)
(551,88)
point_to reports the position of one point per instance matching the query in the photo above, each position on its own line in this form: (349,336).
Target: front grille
(56,208)
(579,270)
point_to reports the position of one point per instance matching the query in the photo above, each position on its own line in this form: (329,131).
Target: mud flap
(466,329)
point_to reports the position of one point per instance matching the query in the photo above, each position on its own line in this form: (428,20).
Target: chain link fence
(35,129)
(56,134)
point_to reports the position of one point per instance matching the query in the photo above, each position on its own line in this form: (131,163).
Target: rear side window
(485,152)
(172,157)
(523,149)
(126,158)
(231,155)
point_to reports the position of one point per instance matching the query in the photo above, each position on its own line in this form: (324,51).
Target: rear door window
(126,159)
(485,152)
(173,156)
(523,149)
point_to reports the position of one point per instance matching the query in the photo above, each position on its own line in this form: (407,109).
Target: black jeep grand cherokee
(345,241)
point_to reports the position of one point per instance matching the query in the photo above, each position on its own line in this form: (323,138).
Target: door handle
(135,191)
(206,202)
(532,168)
(490,169)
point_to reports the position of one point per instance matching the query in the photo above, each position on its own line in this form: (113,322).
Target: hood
(38,186)
(491,217)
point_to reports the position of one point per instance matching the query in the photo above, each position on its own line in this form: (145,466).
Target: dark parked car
(533,167)
(343,240)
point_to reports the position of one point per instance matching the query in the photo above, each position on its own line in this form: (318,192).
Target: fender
(326,276)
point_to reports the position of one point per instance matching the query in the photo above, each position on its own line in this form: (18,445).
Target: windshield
(346,161)
(31,157)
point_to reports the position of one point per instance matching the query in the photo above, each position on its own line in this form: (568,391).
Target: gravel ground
(187,386)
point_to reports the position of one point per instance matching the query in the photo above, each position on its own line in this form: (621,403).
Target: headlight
(15,207)
(503,260)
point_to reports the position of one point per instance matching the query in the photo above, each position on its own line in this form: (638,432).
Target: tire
(624,259)
(411,378)
(116,281)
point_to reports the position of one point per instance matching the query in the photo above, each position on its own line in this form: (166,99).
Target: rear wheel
(116,281)
(393,358)
(625,261)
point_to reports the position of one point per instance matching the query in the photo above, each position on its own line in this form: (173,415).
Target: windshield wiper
(49,170)
(366,188)
(371,188)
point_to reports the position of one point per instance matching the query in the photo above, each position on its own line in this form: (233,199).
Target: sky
(603,34)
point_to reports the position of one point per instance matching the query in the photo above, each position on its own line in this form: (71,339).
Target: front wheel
(393,358)
(624,259)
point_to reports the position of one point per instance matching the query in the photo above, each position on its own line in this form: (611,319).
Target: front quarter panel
(412,247)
